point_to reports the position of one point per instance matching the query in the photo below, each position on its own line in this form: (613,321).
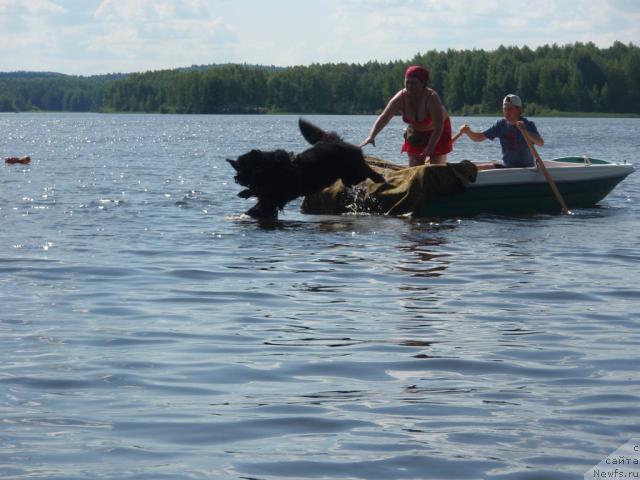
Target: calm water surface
(148,332)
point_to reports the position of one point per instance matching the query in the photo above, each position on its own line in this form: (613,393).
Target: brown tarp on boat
(406,192)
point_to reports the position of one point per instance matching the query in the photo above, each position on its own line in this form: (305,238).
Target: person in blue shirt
(515,151)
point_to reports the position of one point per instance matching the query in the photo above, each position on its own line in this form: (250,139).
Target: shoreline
(551,114)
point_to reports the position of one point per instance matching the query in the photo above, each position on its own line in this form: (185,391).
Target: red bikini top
(425,121)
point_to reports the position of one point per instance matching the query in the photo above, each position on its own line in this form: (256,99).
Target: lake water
(147,331)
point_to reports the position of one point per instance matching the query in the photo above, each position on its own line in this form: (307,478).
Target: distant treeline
(571,78)
(28,91)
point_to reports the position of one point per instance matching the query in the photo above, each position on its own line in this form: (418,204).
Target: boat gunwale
(562,172)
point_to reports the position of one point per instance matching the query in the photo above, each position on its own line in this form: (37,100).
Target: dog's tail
(313,134)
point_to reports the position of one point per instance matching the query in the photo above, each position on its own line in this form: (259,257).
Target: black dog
(277,177)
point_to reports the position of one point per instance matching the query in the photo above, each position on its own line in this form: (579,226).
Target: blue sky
(87,37)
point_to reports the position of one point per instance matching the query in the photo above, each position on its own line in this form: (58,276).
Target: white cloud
(34,7)
(159,34)
(75,36)
(14,14)
(131,10)
(130,46)
(149,10)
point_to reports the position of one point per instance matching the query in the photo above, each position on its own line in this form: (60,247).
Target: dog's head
(263,173)
(247,167)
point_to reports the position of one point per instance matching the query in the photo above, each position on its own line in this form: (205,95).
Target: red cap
(418,72)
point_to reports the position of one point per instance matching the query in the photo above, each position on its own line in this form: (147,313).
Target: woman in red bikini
(428,132)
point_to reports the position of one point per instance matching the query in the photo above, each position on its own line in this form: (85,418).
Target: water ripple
(148,330)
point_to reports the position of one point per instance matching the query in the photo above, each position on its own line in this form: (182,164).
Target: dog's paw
(262,210)
(246,193)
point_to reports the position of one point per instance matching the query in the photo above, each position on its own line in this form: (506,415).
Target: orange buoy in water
(12,160)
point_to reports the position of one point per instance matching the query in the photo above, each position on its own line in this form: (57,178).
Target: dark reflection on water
(423,260)
(148,330)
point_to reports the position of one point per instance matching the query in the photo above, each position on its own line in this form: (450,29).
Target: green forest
(550,79)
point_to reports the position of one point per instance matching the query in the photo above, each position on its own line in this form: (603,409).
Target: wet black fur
(277,177)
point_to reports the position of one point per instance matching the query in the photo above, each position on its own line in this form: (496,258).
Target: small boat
(582,181)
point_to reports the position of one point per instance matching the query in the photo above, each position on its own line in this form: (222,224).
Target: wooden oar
(545,172)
